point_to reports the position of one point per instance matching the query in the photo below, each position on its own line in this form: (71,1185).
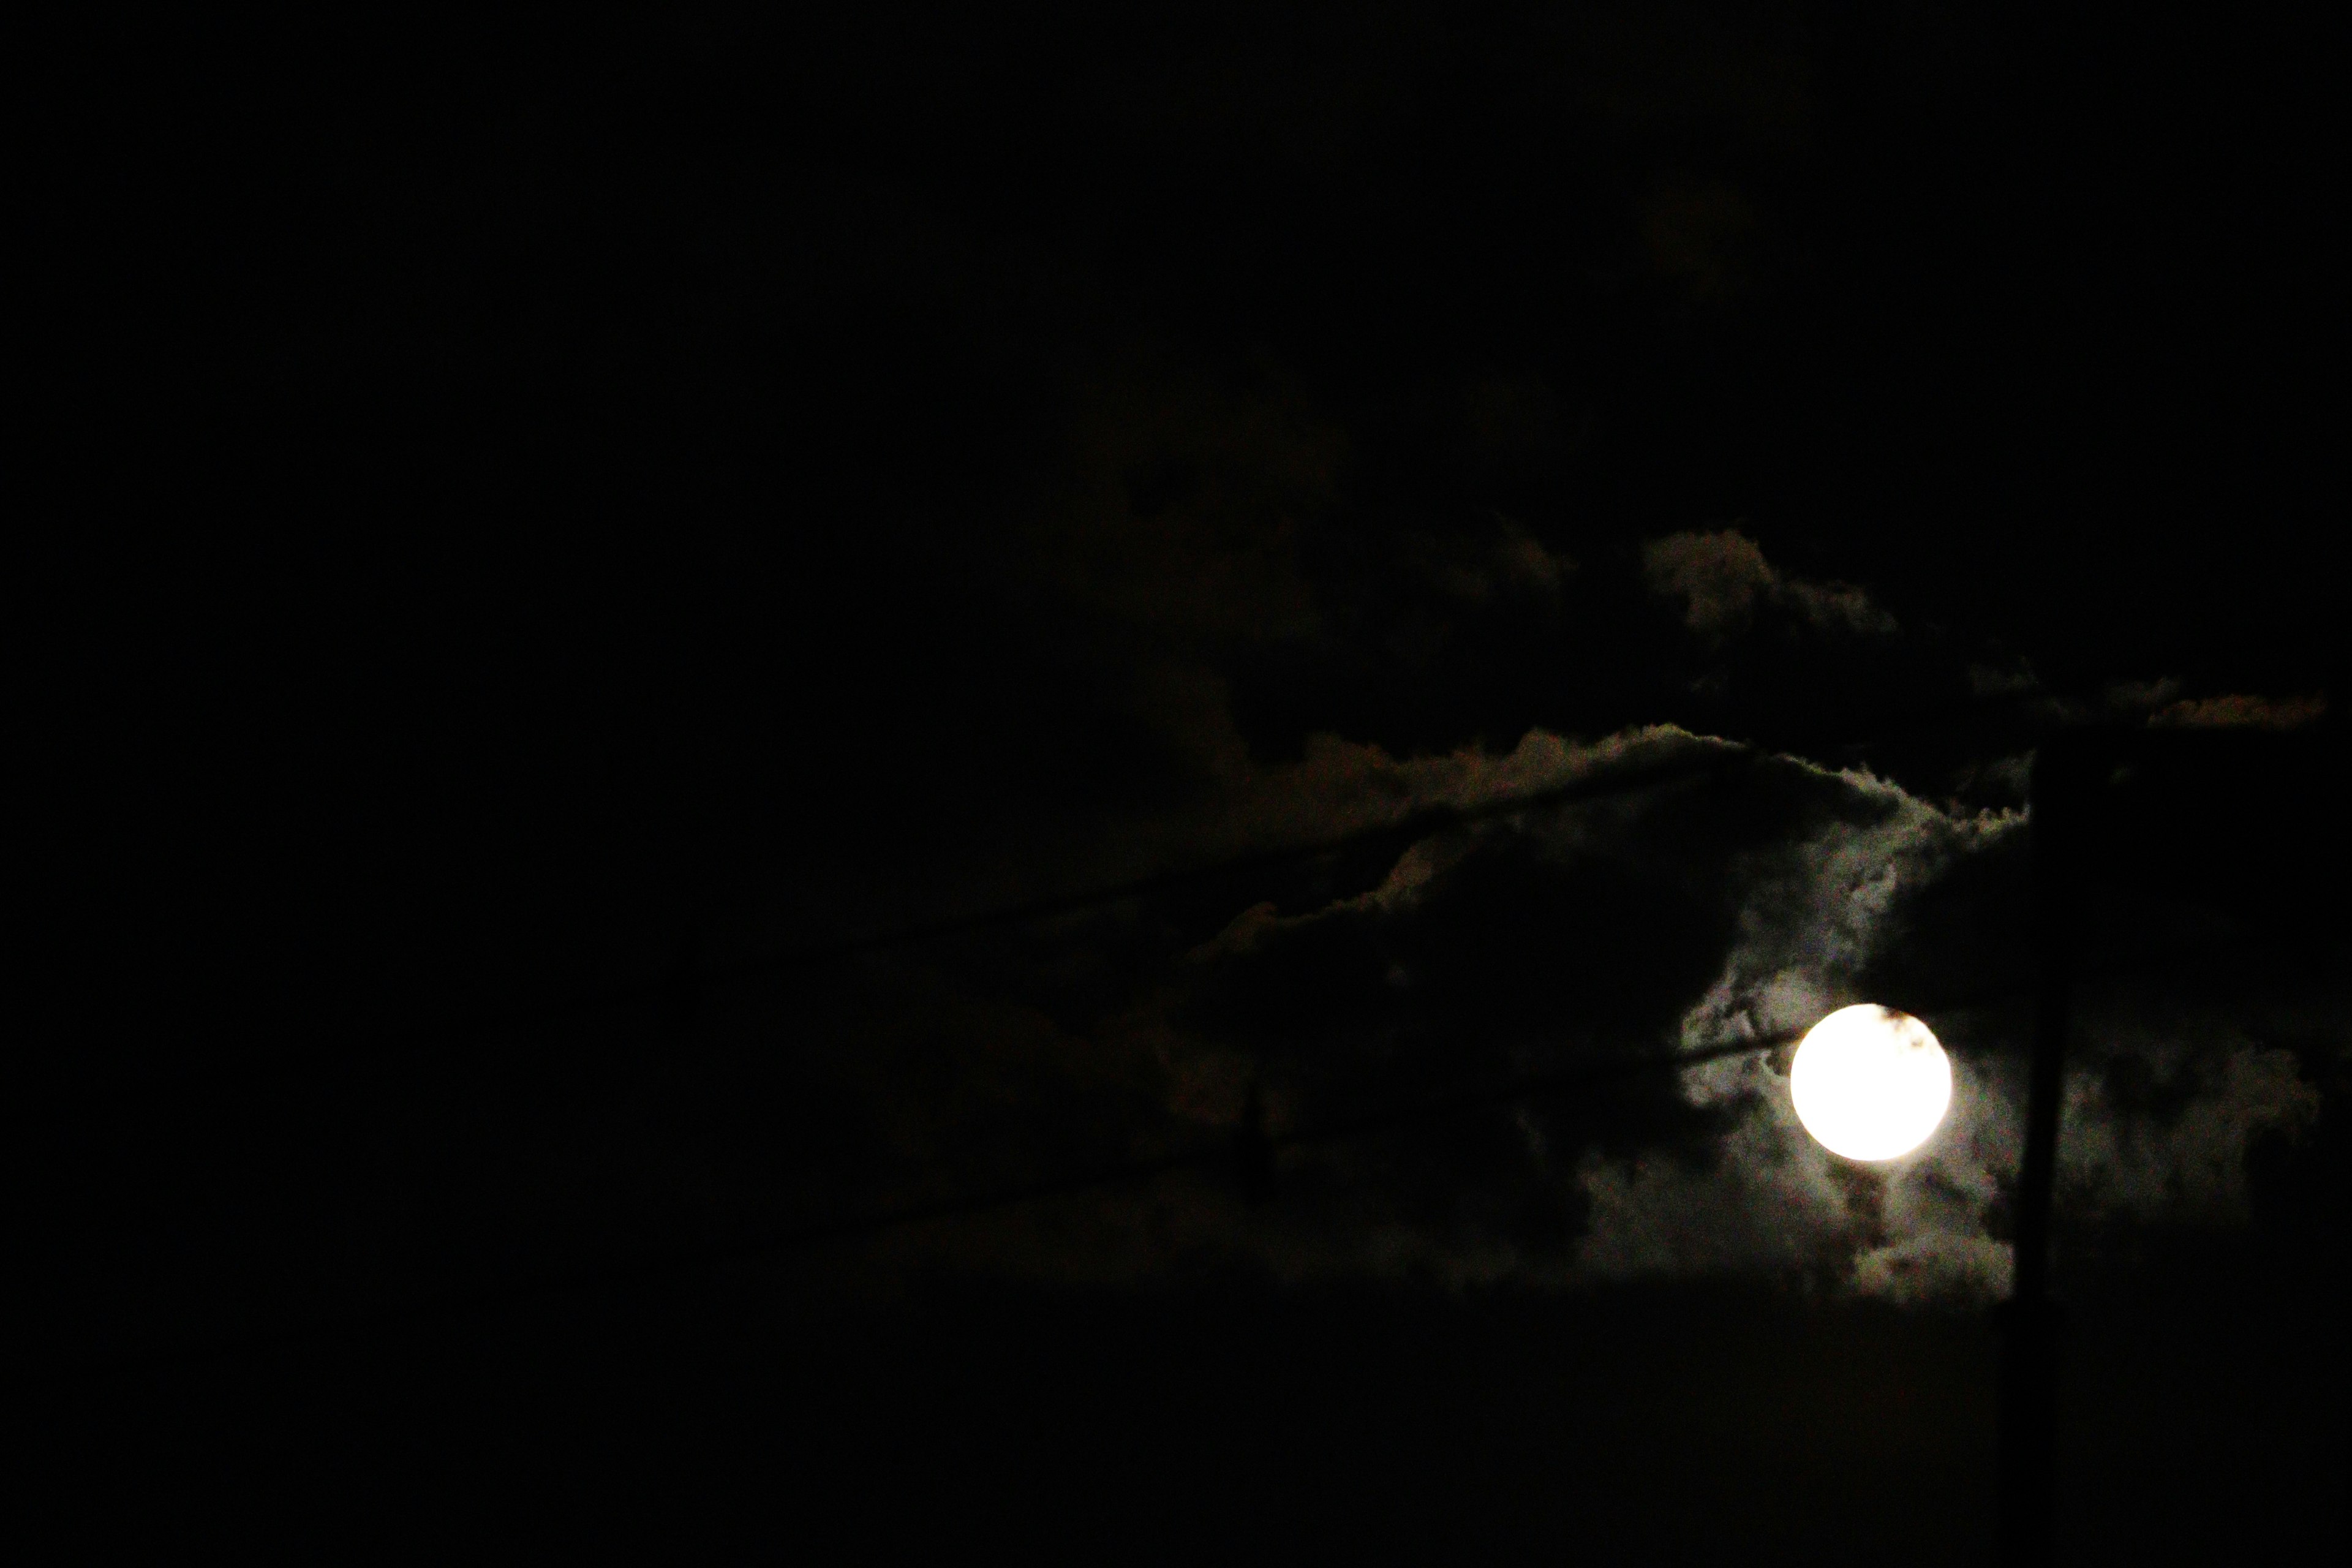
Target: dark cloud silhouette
(1722,578)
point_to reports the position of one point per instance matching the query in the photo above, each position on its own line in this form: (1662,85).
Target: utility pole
(2245,820)
(2065,778)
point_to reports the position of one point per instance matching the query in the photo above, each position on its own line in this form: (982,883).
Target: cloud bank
(1727,905)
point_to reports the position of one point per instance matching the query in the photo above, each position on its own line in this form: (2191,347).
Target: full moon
(1870,1083)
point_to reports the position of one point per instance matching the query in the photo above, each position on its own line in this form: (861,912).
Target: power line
(686,1262)
(688,981)
(1724,755)
(1225,1152)
(1720,760)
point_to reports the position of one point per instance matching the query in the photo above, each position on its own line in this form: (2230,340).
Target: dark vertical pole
(2029,1351)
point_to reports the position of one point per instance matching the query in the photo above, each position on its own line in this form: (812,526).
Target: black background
(540,495)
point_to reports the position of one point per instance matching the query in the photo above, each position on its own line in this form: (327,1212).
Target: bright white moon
(1870,1082)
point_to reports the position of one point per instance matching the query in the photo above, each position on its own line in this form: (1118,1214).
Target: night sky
(776,772)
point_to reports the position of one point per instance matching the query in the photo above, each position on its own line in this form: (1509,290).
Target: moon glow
(1870,1083)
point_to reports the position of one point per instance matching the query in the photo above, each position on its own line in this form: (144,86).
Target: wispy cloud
(1722,579)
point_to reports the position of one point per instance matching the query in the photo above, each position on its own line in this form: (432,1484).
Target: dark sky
(572,526)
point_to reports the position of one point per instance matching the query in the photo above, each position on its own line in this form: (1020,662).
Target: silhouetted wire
(672,1264)
(1222,1152)
(1718,760)
(1719,756)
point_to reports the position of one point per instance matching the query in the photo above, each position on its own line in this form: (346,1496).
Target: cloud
(1815,903)
(1727,909)
(2243,712)
(1722,578)
(1991,680)
(2159,1116)
(1817,906)
(1523,559)
(1740,902)
(1775,1203)
(1338,786)
(2136,699)
(1746,910)
(1512,561)
(1177,505)
(2165,1100)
